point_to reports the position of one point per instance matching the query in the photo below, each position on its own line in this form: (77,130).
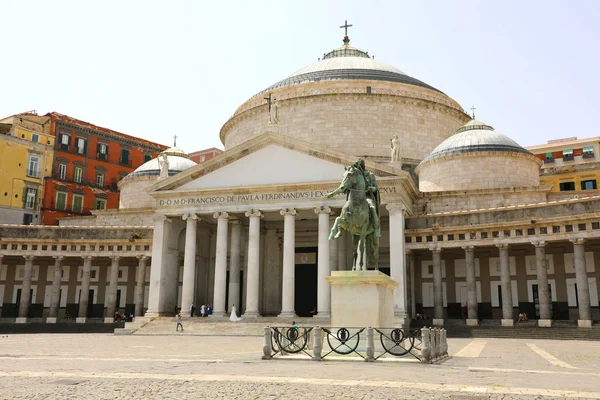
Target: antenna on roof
(174,140)
(473,112)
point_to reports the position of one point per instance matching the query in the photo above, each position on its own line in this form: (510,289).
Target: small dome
(475,136)
(346,63)
(178,162)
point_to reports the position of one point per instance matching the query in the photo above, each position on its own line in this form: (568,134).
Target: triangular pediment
(269,159)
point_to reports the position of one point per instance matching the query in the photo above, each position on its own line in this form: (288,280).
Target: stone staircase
(131,327)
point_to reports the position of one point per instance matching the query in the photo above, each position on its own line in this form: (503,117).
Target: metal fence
(318,343)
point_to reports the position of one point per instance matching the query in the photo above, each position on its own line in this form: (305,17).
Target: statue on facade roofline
(164,167)
(395,149)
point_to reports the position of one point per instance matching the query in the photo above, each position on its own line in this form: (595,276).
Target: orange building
(88,162)
(201,156)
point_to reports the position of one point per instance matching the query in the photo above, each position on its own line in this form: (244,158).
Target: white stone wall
(142,217)
(481,170)
(133,192)
(342,116)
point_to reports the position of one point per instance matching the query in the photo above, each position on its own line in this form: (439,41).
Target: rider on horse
(373,197)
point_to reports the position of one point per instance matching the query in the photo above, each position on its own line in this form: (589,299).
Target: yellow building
(26,154)
(570,164)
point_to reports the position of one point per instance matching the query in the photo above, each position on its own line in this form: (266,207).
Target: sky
(155,69)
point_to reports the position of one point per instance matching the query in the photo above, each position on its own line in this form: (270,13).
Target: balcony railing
(70,178)
(589,154)
(569,157)
(549,161)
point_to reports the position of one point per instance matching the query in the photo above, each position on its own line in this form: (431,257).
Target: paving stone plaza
(176,366)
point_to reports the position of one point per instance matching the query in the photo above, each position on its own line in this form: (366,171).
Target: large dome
(178,162)
(477,157)
(351,102)
(344,64)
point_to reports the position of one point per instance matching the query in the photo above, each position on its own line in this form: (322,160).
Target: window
(81,146)
(30,197)
(27,219)
(100,204)
(65,141)
(125,157)
(102,151)
(62,171)
(35,137)
(77,175)
(568,155)
(100,178)
(33,167)
(61,201)
(147,157)
(565,186)
(589,184)
(93,274)
(549,156)
(77,203)
(588,151)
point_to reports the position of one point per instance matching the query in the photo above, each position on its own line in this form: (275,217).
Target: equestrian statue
(360,214)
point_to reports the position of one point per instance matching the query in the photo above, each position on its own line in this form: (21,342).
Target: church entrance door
(305,292)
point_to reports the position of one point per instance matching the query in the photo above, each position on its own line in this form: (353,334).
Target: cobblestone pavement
(96,366)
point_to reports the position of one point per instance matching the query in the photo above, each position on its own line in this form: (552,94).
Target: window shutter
(24,197)
(85,147)
(69,140)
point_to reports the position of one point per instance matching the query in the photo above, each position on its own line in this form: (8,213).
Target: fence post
(267,351)
(370,346)
(425,345)
(444,342)
(318,344)
(435,344)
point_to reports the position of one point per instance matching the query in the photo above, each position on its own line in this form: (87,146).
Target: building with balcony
(570,164)
(26,156)
(88,163)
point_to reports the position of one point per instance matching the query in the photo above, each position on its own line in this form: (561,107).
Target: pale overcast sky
(154,69)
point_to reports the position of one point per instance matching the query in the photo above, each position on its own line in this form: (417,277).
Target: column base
(251,314)
(544,323)
(287,314)
(322,315)
(508,322)
(185,314)
(20,320)
(584,323)
(80,320)
(109,320)
(51,320)
(219,315)
(472,322)
(438,321)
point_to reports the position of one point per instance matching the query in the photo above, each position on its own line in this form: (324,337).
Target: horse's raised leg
(355,239)
(334,229)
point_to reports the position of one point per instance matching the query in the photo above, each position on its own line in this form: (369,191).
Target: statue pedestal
(362,299)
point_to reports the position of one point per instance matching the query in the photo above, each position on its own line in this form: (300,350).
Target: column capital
(395,208)
(221,214)
(468,248)
(322,210)
(254,213)
(192,216)
(29,258)
(539,243)
(142,258)
(435,249)
(87,258)
(577,240)
(502,246)
(58,258)
(162,218)
(115,258)
(288,211)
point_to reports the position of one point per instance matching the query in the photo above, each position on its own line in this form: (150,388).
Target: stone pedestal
(544,323)
(80,320)
(472,322)
(508,322)
(584,323)
(21,320)
(438,322)
(362,299)
(109,320)
(51,320)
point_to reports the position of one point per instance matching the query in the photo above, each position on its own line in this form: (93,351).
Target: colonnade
(545,302)
(111,293)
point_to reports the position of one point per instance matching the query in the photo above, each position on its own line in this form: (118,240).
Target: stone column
(583,289)
(253,268)
(189,264)
(323,267)
(85,289)
(334,255)
(541,267)
(112,305)
(289,265)
(25,289)
(438,289)
(507,304)
(234,264)
(398,260)
(472,306)
(157,302)
(413,298)
(55,291)
(140,283)
(220,264)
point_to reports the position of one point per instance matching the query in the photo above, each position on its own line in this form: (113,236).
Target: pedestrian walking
(179,323)
(192,309)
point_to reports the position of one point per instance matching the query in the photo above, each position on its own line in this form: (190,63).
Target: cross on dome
(346,26)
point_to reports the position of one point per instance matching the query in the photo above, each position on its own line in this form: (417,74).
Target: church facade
(467,229)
